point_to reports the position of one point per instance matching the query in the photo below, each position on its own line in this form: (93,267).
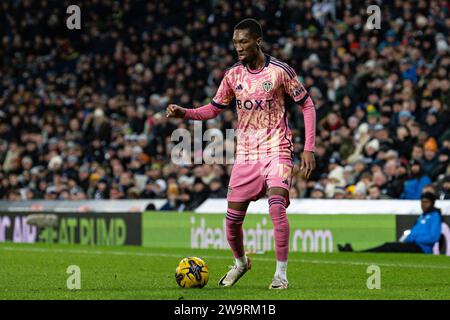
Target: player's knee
(278,192)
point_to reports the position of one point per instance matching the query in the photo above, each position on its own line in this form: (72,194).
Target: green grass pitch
(37,271)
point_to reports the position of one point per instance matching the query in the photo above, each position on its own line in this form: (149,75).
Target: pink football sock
(235,235)
(277,210)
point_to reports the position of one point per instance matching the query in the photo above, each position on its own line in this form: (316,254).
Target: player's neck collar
(267,58)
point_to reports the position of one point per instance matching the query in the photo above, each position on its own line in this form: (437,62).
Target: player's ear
(258,42)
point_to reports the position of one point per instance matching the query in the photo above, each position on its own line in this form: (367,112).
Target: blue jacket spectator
(421,238)
(427,230)
(413,186)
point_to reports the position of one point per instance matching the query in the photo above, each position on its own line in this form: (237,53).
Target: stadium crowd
(81,111)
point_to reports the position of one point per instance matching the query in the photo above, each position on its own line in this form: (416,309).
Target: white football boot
(235,273)
(278,284)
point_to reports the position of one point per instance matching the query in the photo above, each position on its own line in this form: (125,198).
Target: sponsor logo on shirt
(253,104)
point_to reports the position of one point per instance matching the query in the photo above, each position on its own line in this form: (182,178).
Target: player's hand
(174,111)
(308,163)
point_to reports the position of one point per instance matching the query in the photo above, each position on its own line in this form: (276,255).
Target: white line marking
(172,255)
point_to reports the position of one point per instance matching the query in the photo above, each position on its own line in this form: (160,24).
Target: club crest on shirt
(267,86)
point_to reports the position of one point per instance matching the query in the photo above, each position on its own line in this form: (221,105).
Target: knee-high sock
(277,210)
(235,235)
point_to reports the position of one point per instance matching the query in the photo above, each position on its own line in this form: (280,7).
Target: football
(192,272)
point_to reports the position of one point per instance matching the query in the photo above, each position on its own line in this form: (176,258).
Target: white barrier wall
(329,206)
(219,206)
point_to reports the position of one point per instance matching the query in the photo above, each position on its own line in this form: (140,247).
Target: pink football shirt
(260,103)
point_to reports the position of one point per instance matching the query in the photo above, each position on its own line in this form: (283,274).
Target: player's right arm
(206,112)
(224,96)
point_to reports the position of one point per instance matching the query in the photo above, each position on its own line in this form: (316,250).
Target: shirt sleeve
(225,93)
(203,113)
(294,88)
(309,116)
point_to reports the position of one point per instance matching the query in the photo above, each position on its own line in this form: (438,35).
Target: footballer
(259,82)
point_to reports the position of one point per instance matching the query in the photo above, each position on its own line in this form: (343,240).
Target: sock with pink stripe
(235,235)
(277,210)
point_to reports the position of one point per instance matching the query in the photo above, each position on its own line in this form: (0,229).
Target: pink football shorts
(250,180)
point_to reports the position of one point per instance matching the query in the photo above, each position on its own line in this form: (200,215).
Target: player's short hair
(252,25)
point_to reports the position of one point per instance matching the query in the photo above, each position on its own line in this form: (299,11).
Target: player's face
(426,204)
(246,45)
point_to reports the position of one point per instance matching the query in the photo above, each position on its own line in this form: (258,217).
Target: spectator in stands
(87,104)
(375,193)
(444,193)
(421,238)
(101,191)
(414,184)
(200,192)
(442,165)
(217,190)
(318,192)
(430,158)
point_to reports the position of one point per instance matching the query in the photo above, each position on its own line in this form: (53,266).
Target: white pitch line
(171,255)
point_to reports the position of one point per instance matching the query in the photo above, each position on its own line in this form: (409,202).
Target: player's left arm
(295,89)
